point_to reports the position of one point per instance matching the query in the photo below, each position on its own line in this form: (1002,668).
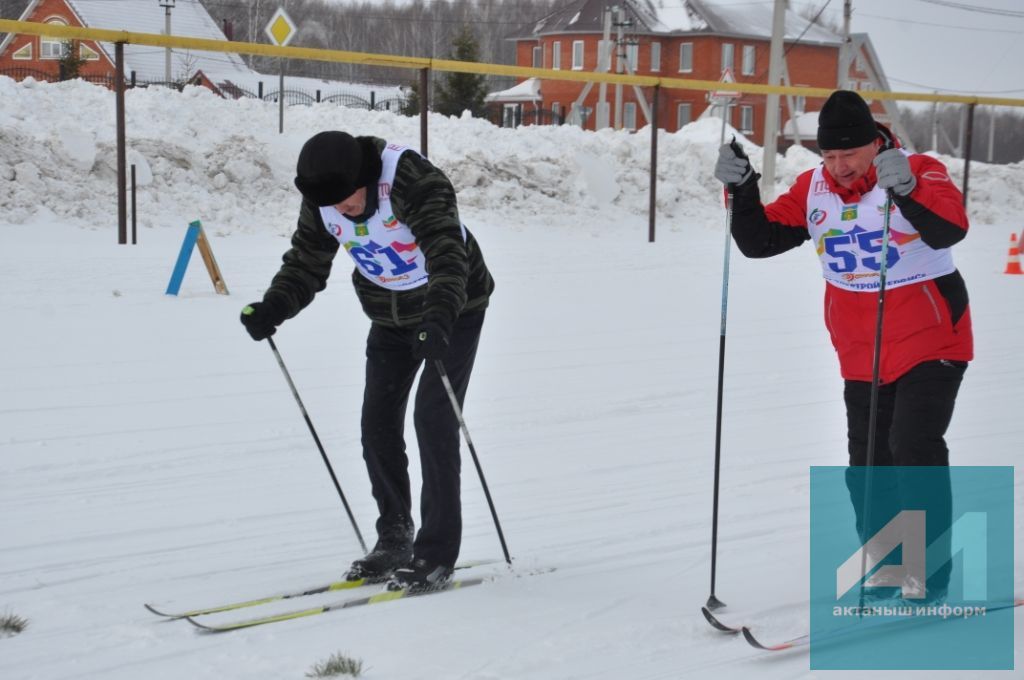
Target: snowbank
(224,161)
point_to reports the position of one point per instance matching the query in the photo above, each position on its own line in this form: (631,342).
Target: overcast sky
(929,45)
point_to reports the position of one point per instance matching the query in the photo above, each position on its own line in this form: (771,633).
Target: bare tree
(999,130)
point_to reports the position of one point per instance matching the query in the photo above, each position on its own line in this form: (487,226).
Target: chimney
(228,30)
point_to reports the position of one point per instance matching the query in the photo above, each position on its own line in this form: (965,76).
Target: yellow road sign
(281,28)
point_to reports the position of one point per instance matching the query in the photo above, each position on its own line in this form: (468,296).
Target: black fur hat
(333,165)
(845,122)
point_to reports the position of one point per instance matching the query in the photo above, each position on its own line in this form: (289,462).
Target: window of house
(629,116)
(23,53)
(859,63)
(51,48)
(684,114)
(577,55)
(632,57)
(604,110)
(749,63)
(538,57)
(511,115)
(556,112)
(746,119)
(556,54)
(728,56)
(655,56)
(686,58)
(800,103)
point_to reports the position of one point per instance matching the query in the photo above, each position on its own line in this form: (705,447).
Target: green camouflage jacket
(423,198)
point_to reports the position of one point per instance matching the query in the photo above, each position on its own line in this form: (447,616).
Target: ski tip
(203,626)
(749,637)
(156,611)
(715,623)
(754,642)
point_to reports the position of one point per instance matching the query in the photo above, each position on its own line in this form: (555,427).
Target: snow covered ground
(151,452)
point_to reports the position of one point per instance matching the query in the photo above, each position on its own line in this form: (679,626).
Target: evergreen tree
(412,103)
(71,62)
(458,92)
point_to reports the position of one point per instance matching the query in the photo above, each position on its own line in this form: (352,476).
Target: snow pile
(224,161)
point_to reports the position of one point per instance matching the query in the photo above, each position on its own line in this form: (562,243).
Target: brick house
(694,39)
(39,56)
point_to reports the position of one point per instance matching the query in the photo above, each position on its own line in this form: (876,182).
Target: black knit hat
(845,122)
(333,165)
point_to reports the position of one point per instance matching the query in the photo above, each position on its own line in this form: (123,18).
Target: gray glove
(893,169)
(733,167)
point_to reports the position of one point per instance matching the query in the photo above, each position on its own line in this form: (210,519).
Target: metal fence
(292,96)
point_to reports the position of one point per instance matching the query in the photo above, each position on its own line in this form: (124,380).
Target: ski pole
(713,602)
(476,461)
(873,400)
(323,454)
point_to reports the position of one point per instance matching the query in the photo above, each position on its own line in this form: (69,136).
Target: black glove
(733,167)
(430,341)
(261,319)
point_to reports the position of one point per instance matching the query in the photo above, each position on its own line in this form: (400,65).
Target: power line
(926,23)
(1018,14)
(933,88)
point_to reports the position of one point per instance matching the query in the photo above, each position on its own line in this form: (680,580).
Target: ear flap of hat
(371,167)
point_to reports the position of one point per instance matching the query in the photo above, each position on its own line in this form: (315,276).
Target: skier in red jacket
(926,341)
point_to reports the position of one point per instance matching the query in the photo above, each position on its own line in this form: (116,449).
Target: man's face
(848,165)
(354,205)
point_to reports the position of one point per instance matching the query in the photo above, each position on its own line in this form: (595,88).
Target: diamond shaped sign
(281,28)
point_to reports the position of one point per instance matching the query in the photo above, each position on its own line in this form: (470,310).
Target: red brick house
(692,39)
(39,56)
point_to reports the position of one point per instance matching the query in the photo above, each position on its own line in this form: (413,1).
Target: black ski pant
(390,372)
(914,413)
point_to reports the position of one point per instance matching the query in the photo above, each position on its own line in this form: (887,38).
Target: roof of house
(683,16)
(528,90)
(188,18)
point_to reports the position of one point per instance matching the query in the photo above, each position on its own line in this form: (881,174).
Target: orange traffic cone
(1013,260)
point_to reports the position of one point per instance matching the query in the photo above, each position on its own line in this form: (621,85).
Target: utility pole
(771,114)
(620,57)
(991,131)
(168,5)
(846,50)
(604,56)
(935,126)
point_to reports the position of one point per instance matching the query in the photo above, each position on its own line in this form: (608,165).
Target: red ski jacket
(924,320)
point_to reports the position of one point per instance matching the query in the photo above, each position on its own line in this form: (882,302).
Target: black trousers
(914,413)
(390,372)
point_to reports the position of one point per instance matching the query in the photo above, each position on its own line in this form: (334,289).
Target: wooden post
(968,138)
(424,84)
(135,219)
(280,100)
(122,179)
(652,208)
